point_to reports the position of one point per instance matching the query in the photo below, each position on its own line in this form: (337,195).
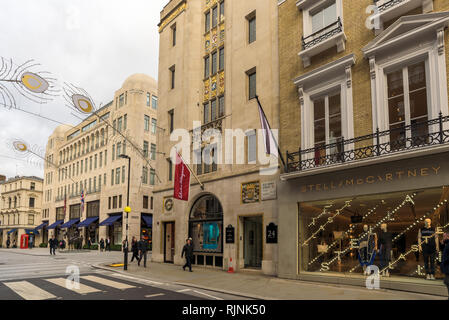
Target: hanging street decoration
(38,87)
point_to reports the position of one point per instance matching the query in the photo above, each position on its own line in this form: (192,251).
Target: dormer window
(322,29)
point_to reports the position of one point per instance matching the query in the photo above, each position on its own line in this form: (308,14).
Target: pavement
(37,275)
(258,286)
(202,282)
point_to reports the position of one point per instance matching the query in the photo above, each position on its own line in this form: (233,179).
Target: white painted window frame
(311,6)
(437,98)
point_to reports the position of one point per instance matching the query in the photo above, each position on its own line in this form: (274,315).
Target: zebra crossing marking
(154,295)
(83,289)
(29,291)
(108,283)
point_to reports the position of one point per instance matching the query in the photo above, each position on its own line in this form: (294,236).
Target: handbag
(322,248)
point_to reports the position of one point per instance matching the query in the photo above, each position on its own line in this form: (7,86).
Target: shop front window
(206,225)
(386,230)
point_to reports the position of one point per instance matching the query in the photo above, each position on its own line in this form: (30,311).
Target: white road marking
(184,290)
(207,295)
(29,291)
(154,295)
(82,290)
(109,283)
(135,279)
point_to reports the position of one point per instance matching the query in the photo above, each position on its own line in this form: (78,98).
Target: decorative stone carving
(301,96)
(372,67)
(440,39)
(348,76)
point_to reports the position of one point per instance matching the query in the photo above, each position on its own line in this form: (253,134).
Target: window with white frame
(408,78)
(407,104)
(326,105)
(324,16)
(327,124)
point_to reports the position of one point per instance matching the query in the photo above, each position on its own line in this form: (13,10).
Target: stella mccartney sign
(403,175)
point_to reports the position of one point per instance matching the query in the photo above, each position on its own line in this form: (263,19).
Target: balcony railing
(321,35)
(386,4)
(400,139)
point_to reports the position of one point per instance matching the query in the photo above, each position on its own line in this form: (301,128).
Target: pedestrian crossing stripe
(108,283)
(83,289)
(29,291)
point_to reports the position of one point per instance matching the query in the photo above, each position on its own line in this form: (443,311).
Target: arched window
(206,225)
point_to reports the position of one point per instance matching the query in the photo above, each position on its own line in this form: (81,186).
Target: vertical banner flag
(82,201)
(182,180)
(270,143)
(65,204)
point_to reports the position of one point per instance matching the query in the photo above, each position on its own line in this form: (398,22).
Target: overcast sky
(95,44)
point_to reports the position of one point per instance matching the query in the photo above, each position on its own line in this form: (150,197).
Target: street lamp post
(127,210)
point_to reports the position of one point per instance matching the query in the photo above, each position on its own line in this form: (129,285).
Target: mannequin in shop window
(385,245)
(428,246)
(367,248)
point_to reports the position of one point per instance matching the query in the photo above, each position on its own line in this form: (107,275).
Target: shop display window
(400,233)
(206,225)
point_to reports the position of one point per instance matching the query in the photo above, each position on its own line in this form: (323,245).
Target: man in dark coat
(188,251)
(445,260)
(142,246)
(134,249)
(108,244)
(52,243)
(8,243)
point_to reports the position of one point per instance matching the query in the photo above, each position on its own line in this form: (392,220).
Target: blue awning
(148,220)
(41,226)
(11,231)
(70,223)
(110,220)
(87,222)
(54,225)
(31,231)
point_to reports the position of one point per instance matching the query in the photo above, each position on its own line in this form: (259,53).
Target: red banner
(182,180)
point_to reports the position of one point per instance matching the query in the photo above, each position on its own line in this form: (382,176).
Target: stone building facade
(214,57)
(86,159)
(20,210)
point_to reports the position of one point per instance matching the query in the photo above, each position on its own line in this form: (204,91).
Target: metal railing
(321,35)
(414,136)
(387,5)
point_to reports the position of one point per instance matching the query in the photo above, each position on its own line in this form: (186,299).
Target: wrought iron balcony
(321,35)
(405,138)
(384,5)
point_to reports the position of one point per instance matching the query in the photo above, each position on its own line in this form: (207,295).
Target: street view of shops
(221,150)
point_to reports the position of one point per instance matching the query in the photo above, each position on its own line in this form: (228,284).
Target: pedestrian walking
(143,248)
(8,243)
(188,251)
(53,243)
(30,243)
(134,249)
(108,244)
(445,260)
(14,245)
(89,243)
(101,245)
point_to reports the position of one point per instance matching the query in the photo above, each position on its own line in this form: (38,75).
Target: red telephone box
(24,241)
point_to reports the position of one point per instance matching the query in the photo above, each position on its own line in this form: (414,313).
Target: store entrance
(252,242)
(169,242)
